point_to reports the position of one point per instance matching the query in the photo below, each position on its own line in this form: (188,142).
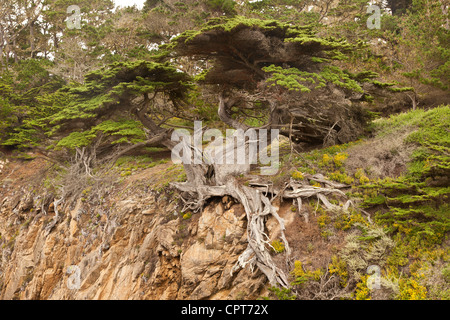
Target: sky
(124,3)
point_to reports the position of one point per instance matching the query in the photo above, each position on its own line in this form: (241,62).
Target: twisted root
(258,206)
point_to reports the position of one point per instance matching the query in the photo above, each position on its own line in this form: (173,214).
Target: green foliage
(226,25)
(340,78)
(75,140)
(101,103)
(126,131)
(27,95)
(291,78)
(107,92)
(302,35)
(129,131)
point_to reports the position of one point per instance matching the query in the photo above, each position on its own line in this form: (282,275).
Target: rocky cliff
(133,245)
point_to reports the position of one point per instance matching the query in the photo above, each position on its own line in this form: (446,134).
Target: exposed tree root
(258,206)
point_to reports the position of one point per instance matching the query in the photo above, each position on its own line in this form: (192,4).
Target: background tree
(301,12)
(399,7)
(164,19)
(17,28)
(422,51)
(79,51)
(412,48)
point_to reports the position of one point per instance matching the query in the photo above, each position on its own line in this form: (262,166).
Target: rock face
(139,247)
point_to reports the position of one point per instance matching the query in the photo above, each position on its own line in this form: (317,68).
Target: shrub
(301,276)
(341,177)
(187,215)
(339,268)
(362,292)
(278,246)
(339,159)
(282,294)
(410,289)
(297,175)
(446,274)
(326,159)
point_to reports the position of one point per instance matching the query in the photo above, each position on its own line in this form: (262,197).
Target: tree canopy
(284,73)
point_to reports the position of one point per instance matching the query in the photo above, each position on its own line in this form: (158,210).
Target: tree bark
(32,46)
